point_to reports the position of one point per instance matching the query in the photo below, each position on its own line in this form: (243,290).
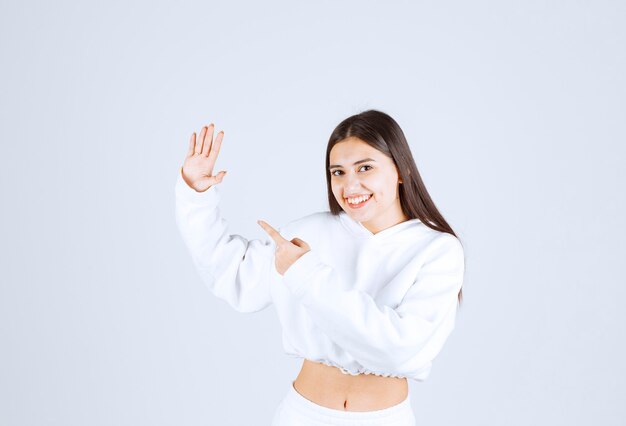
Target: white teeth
(358,199)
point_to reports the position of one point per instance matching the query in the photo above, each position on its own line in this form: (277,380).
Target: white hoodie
(366,303)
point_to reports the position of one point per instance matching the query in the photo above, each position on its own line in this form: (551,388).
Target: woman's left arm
(382,338)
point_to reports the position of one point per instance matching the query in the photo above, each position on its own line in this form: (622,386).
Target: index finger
(271,231)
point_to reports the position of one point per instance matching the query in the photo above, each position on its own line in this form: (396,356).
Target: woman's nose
(352,183)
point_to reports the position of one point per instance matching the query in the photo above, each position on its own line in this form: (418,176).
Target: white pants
(296,410)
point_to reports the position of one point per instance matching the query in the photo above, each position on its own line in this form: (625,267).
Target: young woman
(366,292)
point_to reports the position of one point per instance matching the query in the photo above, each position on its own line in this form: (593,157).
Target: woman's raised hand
(197,169)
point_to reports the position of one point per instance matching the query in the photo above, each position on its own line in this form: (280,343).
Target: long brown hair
(382,132)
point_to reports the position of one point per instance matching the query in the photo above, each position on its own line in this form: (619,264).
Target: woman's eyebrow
(357,162)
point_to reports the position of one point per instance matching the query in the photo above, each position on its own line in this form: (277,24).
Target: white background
(515,115)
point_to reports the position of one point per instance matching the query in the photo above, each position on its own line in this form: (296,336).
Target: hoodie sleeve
(234,269)
(382,338)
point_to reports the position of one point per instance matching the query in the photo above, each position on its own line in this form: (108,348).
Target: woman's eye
(365,165)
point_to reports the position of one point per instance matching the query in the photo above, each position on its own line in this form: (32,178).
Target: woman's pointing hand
(287,252)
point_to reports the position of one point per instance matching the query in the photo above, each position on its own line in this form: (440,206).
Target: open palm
(197,169)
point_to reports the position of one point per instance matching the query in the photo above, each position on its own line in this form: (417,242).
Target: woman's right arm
(234,269)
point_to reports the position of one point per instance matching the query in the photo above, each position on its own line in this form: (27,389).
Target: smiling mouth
(359,205)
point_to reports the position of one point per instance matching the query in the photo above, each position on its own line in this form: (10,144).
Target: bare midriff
(329,387)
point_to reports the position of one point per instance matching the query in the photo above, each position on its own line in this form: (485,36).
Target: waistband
(319,412)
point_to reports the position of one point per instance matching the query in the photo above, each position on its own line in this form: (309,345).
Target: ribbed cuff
(296,278)
(210,197)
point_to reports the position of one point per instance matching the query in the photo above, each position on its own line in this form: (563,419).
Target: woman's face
(376,178)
